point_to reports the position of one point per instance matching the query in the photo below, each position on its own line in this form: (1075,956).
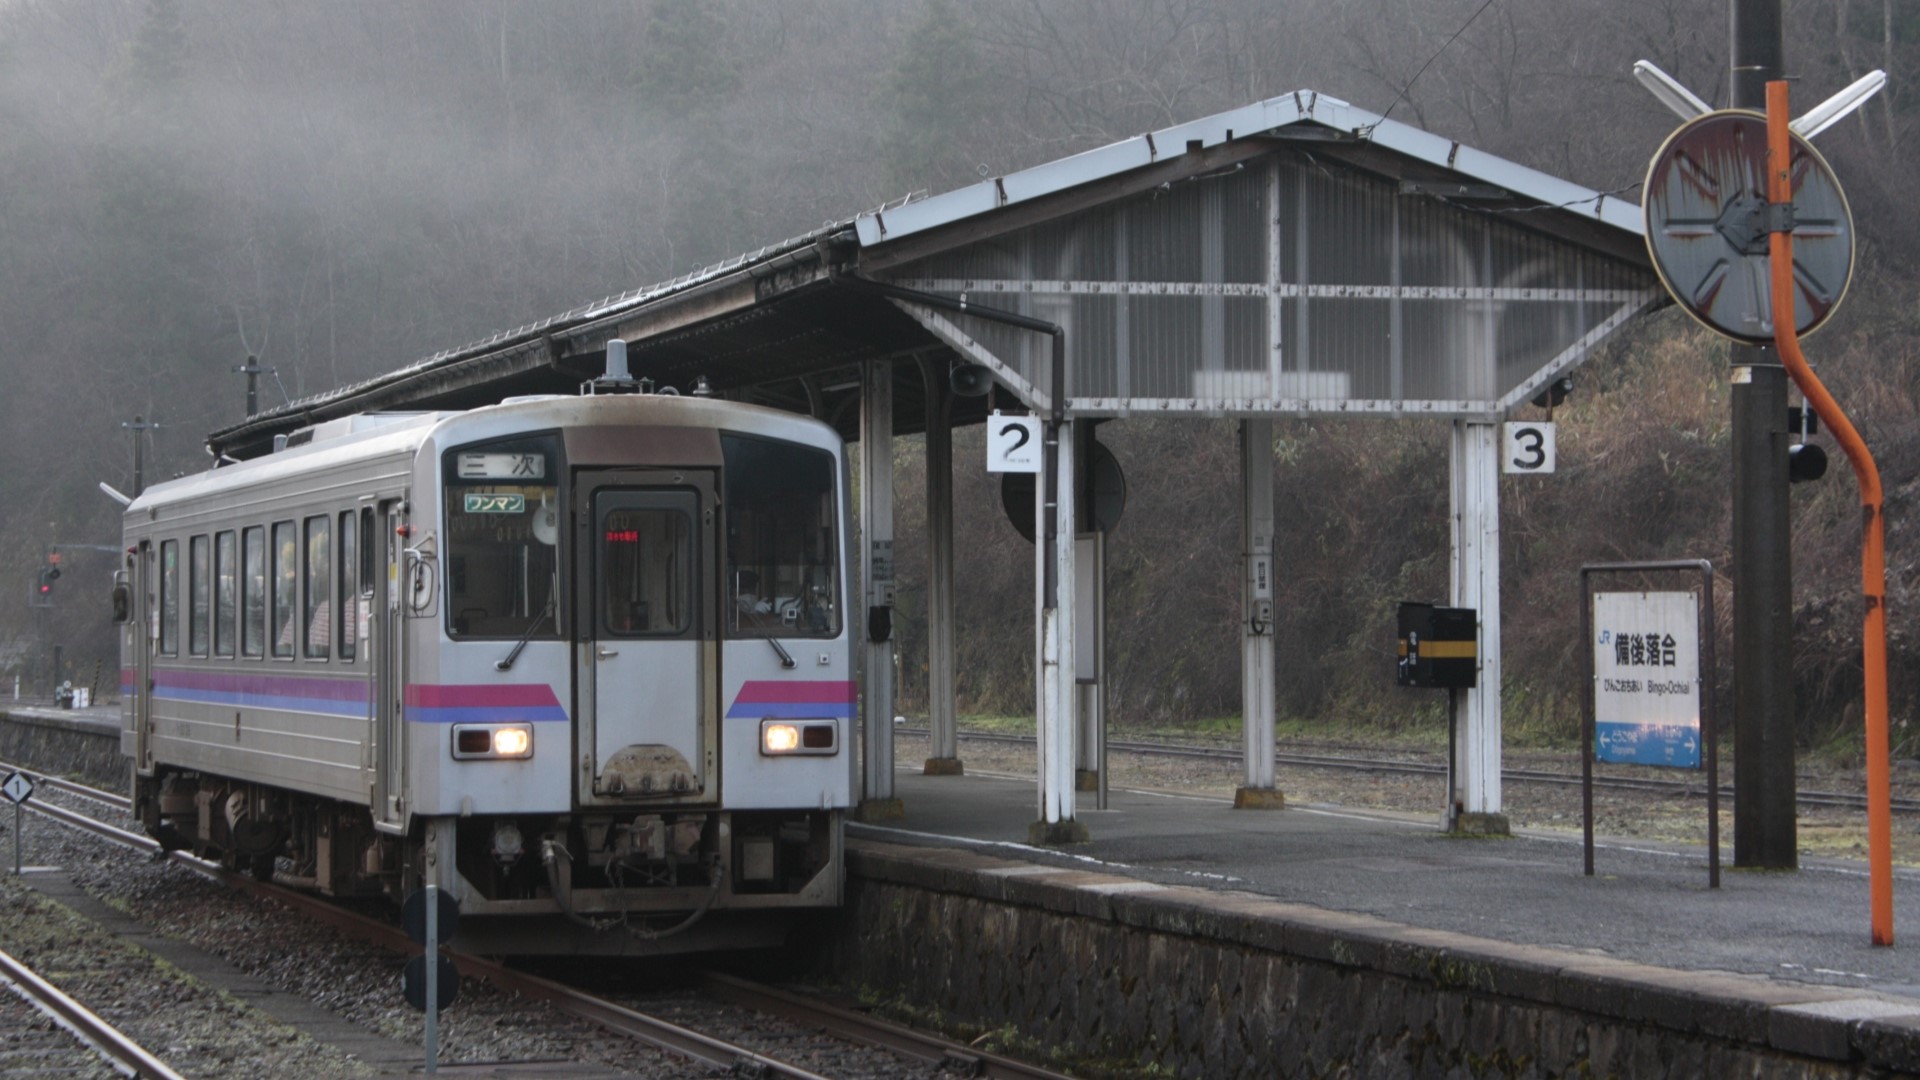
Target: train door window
(369,552)
(646,572)
(253,591)
(286,586)
(316,595)
(199,596)
(782,556)
(169,597)
(226,583)
(503,533)
(349,619)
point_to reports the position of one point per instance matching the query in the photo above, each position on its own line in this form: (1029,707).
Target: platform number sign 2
(1013,443)
(1529,447)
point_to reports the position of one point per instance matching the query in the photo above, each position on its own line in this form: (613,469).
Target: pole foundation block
(1482,825)
(879,810)
(1057,833)
(1253,798)
(944,766)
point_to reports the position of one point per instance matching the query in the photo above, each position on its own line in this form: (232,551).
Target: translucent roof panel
(1289,284)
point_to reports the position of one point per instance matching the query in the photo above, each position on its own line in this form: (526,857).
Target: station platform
(1647,902)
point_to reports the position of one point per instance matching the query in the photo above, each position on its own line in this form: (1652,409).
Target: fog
(342,188)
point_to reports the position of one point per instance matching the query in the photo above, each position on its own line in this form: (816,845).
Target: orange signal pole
(1873,570)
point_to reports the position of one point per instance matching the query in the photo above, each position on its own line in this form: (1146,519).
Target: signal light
(1805,461)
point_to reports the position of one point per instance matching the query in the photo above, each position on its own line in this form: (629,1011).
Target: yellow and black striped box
(1439,647)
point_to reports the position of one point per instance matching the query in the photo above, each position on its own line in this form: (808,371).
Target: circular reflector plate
(1705,211)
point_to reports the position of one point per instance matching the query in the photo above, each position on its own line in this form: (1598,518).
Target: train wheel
(261,867)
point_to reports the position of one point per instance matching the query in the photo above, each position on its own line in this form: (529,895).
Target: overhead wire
(1402,95)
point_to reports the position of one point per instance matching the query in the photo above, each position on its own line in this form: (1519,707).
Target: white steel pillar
(876,577)
(1257,792)
(943,753)
(1054,647)
(1473,805)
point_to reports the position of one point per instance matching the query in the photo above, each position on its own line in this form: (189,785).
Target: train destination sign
(1646,678)
(478,466)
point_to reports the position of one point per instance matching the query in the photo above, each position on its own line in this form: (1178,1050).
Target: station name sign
(1646,667)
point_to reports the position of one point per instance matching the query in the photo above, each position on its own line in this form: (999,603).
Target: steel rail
(860,1027)
(1829,799)
(655,1032)
(108,798)
(101,1036)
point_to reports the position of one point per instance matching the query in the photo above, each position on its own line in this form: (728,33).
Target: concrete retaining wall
(80,745)
(1182,981)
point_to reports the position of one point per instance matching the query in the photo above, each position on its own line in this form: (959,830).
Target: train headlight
(492,741)
(781,738)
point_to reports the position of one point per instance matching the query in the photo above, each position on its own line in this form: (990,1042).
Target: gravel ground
(206,1033)
(199,1031)
(32,1044)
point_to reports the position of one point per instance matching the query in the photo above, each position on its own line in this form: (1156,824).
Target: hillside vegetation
(346,187)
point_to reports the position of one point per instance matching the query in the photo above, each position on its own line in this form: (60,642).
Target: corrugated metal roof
(1262,118)
(816,325)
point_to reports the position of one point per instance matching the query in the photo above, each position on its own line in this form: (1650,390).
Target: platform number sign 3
(1529,447)
(1013,443)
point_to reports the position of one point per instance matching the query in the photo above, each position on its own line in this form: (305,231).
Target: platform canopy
(1296,256)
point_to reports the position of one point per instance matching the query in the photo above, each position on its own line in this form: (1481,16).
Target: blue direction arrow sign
(17,788)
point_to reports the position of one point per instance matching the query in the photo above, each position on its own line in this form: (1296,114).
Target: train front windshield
(503,531)
(781,553)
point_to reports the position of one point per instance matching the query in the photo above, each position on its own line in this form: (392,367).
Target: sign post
(1650,681)
(17,788)
(431,982)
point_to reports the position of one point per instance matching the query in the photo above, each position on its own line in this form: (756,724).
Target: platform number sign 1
(1528,448)
(1013,443)
(16,788)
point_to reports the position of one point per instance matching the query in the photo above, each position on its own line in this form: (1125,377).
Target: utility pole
(139,427)
(252,370)
(1764,825)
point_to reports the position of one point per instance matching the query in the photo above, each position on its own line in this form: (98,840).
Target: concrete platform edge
(1766,1016)
(88,722)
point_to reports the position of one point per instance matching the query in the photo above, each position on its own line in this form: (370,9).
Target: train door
(387,626)
(647,661)
(141,633)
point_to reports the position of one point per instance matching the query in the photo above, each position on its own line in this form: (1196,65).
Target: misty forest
(343,188)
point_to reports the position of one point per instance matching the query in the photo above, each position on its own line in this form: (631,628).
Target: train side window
(169,597)
(349,585)
(286,586)
(199,596)
(316,594)
(253,591)
(226,581)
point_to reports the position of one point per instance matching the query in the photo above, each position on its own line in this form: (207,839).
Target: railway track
(1646,785)
(704,1049)
(55,1054)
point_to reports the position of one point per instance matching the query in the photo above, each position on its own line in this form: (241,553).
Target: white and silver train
(581,661)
